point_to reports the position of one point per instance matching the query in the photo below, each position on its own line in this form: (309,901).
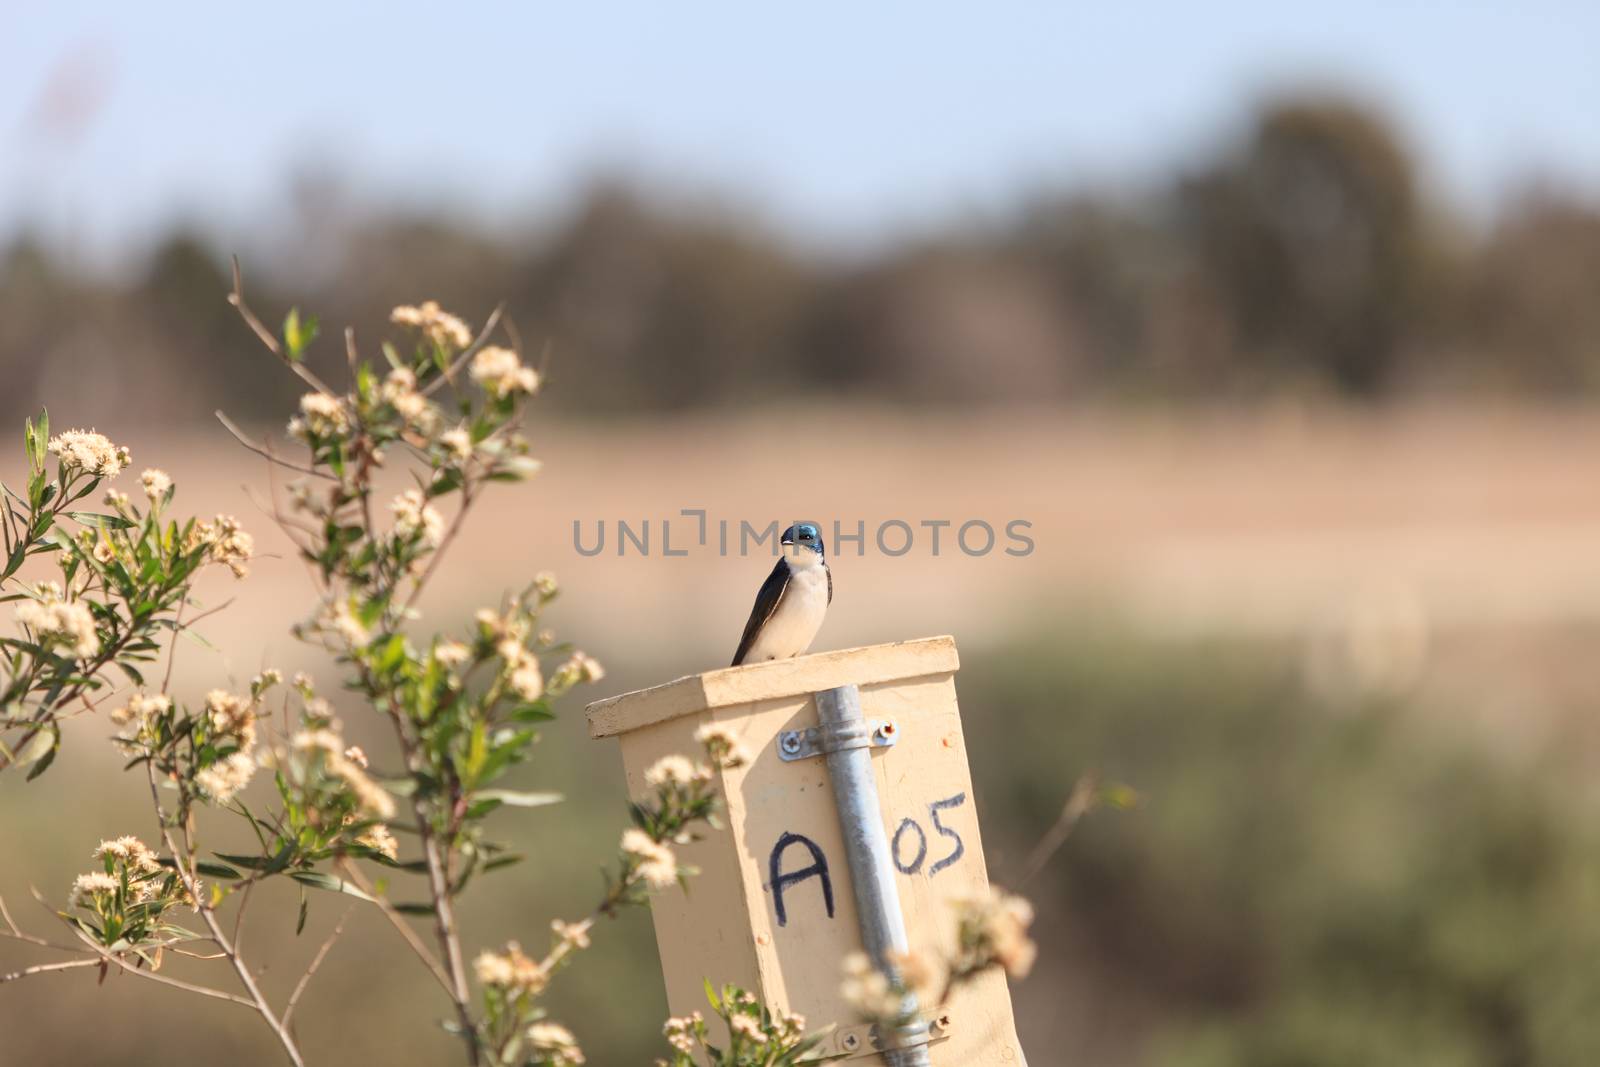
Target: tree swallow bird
(792,601)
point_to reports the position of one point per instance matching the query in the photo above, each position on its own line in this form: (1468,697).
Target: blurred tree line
(1303,255)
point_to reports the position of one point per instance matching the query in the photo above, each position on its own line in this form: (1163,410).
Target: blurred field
(1344,656)
(1408,534)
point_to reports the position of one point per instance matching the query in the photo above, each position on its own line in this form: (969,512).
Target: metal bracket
(816,741)
(864,1039)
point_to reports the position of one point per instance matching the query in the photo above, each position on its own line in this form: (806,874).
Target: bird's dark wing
(830,582)
(766,603)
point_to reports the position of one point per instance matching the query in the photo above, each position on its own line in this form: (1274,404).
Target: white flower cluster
(415,517)
(133,861)
(135,715)
(522,671)
(90,452)
(511,970)
(225,542)
(87,887)
(868,990)
(722,745)
(340,762)
(320,416)
(232,718)
(59,623)
(399,391)
(580,667)
(380,839)
(675,771)
(156,483)
(451,655)
(130,851)
(555,1044)
(458,443)
(656,863)
(680,1032)
(224,778)
(434,323)
(500,372)
(993,929)
(339,620)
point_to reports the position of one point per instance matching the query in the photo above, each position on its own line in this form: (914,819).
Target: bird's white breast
(794,625)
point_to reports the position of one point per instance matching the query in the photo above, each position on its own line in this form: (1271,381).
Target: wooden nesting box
(774,909)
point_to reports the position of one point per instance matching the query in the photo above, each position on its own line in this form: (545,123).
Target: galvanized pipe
(866,844)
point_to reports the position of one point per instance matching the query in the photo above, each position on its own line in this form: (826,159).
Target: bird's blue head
(801,538)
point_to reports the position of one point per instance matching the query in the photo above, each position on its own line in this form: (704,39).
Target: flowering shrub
(757,1036)
(462,707)
(991,931)
(125,575)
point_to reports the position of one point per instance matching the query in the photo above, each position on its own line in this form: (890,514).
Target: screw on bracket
(816,741)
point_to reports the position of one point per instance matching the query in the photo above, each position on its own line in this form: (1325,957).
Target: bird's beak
(788,541)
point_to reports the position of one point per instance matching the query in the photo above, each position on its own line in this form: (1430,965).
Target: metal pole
(855,795)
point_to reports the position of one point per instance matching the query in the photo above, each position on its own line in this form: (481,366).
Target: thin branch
(175,983)
(1079,803)
(397,921)
(350,356)
(46,968)
(439,552)
(236,298)
(316,961)
(172,648)
(444,925)
(264,452)
(208,916)
(466,353)
(287,525)
(101,957)
(16,931)
(224,606)
(238,913)
(34,939)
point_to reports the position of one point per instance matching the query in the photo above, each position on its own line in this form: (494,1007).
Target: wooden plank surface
(775,680)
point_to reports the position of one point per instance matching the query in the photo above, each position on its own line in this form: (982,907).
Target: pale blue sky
(843,121)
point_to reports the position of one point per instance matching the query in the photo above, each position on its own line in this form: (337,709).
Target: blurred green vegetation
(1302,253)
(1309,881)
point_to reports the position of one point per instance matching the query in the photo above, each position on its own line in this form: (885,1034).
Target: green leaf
(408,908)
(319,880)
(217,870)
(94,518)
(392,654)
(539,712)
(52,746)
(298,333)
(1121,797)
(37,748)
(265,864)
(400,787)
(520,799)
